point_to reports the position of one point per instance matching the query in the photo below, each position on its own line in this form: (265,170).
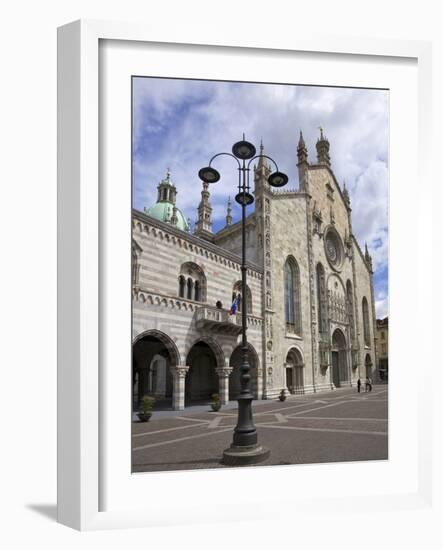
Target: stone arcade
(310,299)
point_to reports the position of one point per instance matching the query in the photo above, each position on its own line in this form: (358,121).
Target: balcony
(217,320)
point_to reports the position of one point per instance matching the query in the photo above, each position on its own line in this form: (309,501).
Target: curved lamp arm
(266,157)
(227,154)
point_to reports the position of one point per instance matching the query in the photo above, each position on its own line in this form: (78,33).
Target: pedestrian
(370,383)
(367,384)
(358,385)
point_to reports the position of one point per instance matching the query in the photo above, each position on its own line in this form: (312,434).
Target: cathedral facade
(310,297)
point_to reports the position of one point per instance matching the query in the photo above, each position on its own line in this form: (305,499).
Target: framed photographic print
(232,276)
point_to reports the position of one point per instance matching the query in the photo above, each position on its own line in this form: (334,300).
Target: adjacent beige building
(382,328)
(310,301)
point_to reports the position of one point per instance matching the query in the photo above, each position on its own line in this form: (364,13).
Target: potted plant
(145,411)
(282,395)
(216,403)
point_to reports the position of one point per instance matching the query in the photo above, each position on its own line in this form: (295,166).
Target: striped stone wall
(156,303)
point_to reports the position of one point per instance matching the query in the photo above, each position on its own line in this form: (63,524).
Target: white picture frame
(80,260)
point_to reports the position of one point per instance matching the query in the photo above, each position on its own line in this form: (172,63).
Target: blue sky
(181,124)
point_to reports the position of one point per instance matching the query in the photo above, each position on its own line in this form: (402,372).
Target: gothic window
(366,330)
(321,299)
(350,308)
(292,296)
(181,286)
(237,292)
(192,282)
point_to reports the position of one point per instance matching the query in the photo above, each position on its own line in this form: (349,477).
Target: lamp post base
(245,455)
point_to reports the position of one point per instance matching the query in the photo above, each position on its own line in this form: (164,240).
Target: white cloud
(182,124)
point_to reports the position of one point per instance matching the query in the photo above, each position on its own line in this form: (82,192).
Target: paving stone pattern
(341,426)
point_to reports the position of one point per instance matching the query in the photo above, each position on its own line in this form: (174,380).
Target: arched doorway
(235,362)
(368,366)
(339,359)
(202,379)
(153,353)
(294,372)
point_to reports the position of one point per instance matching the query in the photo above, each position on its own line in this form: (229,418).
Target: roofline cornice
(145,218)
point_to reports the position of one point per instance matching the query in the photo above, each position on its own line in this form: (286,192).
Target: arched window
(237,293)
(135,267)
(366,330)
(292,296)
(192,282)
(181,286)
(321,299)
(136,251)
(190,286)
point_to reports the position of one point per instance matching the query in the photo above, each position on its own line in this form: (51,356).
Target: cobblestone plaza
(335,427)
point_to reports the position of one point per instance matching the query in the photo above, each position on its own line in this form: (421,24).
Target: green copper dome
(163,211)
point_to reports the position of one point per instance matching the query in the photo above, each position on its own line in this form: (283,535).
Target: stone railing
(214,314)
(215,318)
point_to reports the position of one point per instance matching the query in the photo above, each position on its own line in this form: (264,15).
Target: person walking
(358,385)
(370,383)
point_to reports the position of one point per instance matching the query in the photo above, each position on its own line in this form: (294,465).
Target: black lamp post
(245,448)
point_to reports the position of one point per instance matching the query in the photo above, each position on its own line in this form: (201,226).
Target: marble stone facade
(332,340)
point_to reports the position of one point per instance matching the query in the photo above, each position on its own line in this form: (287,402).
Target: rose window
(333,248)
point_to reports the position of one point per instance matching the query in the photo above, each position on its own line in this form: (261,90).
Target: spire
(346,195)
(302,152)
(323,149)
(261,159)
(368,257)
(302,165)
(204,223)
(229,213)
(261,171)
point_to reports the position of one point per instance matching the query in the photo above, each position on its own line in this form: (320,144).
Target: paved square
(339,426)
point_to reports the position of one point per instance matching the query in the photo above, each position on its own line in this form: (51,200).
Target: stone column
(178,387)
(161,370)
(223,383)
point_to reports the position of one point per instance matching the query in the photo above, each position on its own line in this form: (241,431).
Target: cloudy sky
(181,124)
